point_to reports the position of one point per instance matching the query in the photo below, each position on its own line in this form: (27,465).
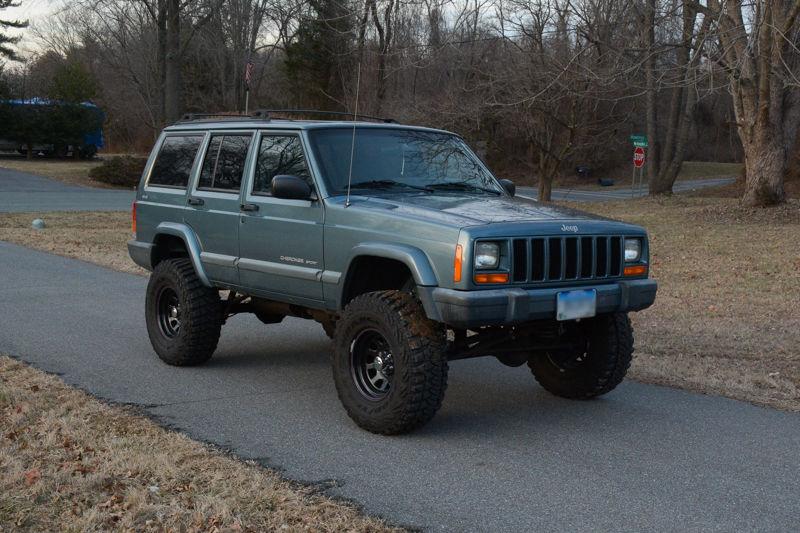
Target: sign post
(640,143)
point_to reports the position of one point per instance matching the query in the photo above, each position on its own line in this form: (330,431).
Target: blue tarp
(95,137)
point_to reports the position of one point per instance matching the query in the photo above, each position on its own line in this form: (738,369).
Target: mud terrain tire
(393,329)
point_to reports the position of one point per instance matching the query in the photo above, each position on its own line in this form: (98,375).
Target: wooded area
(538,87)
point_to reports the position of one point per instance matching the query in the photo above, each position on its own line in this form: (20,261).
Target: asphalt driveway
(501,455)
(621,193)
(22,192)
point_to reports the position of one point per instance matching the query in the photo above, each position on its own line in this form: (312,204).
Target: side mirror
(290,188)
(509,186)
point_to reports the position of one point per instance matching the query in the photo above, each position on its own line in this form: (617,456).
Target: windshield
(399,160)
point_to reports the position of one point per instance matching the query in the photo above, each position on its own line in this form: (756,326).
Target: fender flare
(189,238)
(414,258)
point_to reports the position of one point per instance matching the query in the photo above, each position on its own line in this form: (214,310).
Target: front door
(213,205)
(280,241)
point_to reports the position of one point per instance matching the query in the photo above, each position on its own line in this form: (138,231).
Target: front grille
(564,258)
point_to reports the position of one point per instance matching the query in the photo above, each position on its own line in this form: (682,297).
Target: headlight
(633,250)
(487,255)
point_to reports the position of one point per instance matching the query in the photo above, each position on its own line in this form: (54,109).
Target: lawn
(725,319)
(69,462)
(99,237)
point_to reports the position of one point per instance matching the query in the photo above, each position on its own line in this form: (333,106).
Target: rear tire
(592,370)
(184,317)
(389,362)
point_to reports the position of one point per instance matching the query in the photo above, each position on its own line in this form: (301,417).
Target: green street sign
(639,141)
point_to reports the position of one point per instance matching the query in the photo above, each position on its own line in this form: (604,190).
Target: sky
(33,11)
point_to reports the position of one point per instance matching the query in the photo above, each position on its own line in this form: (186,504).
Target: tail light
(133,218)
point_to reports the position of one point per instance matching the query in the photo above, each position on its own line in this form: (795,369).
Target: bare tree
(758,48)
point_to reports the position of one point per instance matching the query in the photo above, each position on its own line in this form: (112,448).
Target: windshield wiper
(461,186)
(386,184)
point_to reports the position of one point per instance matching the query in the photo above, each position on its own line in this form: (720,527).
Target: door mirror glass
(290,188)
(509,186)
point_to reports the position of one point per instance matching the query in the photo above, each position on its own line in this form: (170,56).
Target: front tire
(389,362)
(595,367)
(184,317)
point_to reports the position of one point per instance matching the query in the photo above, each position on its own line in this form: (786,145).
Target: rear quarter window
(174,161)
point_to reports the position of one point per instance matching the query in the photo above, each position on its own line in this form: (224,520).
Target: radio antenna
(353,140)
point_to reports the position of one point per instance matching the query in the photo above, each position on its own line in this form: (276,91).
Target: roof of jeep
(287,124)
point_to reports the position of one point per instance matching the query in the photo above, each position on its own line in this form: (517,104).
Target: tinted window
(223,166)
(174,161)
(279,154)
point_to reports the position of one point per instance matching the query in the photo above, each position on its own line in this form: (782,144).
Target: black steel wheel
(183,317)
(389,362)
(169,312)
(371,364)
(598,361)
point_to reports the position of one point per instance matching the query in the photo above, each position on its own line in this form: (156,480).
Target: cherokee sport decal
(300,260)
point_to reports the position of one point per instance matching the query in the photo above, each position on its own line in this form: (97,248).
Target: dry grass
(725,320)
(69,462)
(92,236)
(74,172)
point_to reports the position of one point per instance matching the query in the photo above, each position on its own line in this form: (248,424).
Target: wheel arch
(168,236)
(376,266)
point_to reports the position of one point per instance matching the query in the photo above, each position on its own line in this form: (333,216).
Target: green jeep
(398,241)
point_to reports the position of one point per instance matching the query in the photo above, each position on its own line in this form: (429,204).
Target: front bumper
(469,309)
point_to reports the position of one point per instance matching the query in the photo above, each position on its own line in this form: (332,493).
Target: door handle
(196,201)
(249,207)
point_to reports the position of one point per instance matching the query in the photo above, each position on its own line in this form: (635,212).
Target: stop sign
(638,157)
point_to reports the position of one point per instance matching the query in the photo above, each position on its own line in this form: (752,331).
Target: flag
(248,73)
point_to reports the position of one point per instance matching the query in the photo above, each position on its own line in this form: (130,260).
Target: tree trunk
(173,83)
(765,165)
(548,167)
(29,151)
(161,23)
(651,96)
(545,189)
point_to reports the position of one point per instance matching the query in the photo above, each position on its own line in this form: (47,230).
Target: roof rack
(266,114)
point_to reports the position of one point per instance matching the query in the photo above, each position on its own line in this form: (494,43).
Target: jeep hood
(466,210)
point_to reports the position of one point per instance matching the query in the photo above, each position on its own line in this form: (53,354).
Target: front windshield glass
(399,160)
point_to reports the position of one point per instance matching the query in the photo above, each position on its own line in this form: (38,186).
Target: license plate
(576,304)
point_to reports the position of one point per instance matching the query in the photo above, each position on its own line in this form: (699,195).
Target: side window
(174,162)
(224,163)
(279,154)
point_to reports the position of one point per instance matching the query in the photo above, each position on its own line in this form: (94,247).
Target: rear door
(213,204)
(280,240)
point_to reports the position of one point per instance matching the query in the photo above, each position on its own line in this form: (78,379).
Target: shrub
(121,170)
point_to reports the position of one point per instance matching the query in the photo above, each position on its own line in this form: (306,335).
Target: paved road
(23,192)
(501,455)
(605,195)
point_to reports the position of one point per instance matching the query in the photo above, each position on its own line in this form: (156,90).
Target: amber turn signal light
(457,263)
(636,270)
(491,278)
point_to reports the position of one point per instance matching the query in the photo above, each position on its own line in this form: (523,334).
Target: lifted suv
(423,259)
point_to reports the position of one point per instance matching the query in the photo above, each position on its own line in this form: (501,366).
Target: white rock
(38,223)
